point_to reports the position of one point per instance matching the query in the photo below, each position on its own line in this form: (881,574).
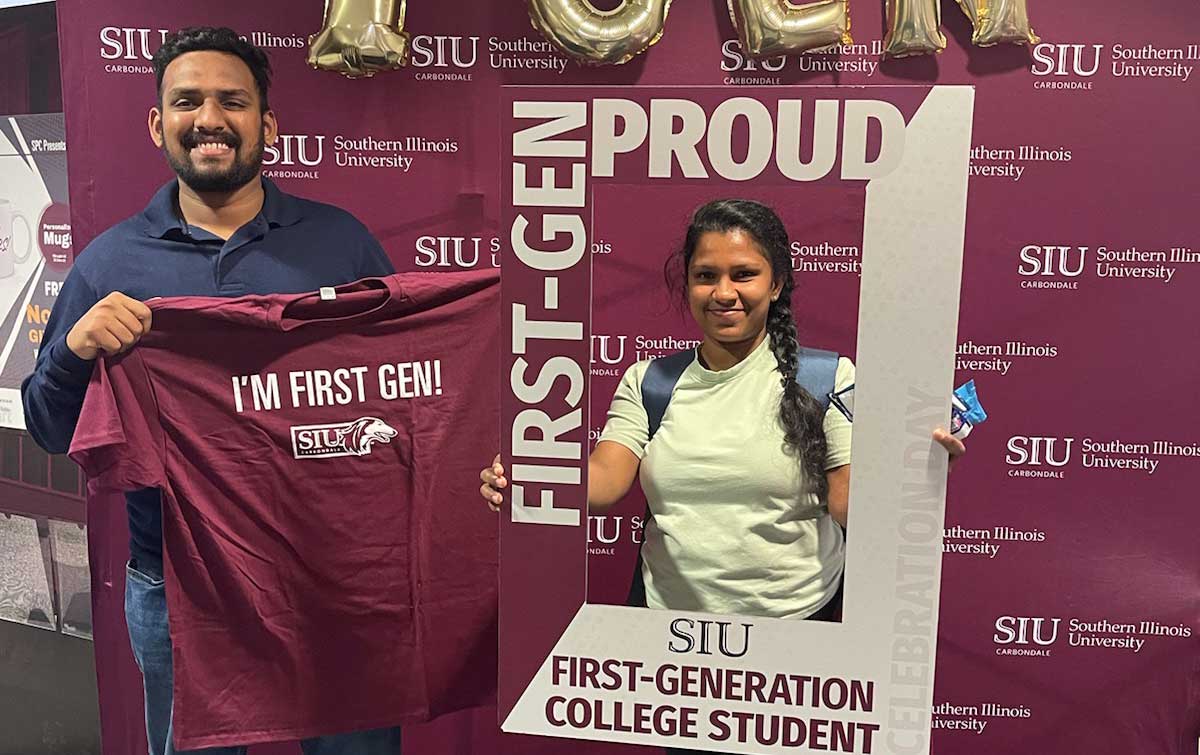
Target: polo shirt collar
(279,209)
(161,215)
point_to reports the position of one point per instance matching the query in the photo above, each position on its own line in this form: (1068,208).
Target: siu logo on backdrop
(733,59)
(1045,266)
(1026,630)
(456,251)
(606,350)
(1026,450)
(1047,260)
(340,438)
(1038,456)
(1066,60)
(293,149)
(118,43)
(442,51)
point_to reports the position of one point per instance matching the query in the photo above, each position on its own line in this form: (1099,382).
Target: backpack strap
(816,372)
(659,382)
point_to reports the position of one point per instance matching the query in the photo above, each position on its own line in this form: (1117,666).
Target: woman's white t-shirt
(735,529)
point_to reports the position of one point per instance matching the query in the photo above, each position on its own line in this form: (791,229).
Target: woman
(748,476)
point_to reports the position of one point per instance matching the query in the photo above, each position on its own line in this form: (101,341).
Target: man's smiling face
(210,123)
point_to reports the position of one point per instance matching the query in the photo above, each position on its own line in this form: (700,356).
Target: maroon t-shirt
(328,564)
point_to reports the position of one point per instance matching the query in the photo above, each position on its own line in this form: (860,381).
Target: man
(220,229)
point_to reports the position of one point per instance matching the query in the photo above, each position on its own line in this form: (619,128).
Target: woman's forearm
(611,470)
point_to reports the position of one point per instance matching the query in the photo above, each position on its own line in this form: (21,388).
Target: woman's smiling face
(730,287)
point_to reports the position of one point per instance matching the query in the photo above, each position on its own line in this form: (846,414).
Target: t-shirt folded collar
(352,302)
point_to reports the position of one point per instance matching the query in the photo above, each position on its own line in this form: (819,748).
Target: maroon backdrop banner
(1070,619)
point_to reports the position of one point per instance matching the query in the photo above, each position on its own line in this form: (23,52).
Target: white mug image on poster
(731,684)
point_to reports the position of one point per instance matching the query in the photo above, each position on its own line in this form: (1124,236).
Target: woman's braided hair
(800,415)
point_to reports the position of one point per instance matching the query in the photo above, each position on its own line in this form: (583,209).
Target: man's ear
(155,123)
(270,127)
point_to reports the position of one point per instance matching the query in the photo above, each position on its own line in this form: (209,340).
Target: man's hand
(112,326)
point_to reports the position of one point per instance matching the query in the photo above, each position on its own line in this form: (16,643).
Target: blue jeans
(146,617)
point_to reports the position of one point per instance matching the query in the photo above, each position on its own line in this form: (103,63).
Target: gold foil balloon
(997,21)
(913,28)
(360,37)
(767,28)
(600,37)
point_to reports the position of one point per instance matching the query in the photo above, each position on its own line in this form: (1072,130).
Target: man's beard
(241,172)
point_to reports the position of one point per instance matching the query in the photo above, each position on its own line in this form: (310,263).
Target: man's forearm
(53,395)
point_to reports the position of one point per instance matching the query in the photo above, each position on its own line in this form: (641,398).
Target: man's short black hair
(217,39)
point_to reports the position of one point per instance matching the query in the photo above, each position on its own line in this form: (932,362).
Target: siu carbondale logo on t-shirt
(340,438)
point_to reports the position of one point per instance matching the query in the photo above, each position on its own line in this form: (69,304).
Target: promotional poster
(35,245)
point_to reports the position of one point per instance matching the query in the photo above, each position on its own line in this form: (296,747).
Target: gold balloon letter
(913,28)
(600,37)
(997,21)
(360,37)
(767,28)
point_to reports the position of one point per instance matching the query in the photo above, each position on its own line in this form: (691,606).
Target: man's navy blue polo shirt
(293,245)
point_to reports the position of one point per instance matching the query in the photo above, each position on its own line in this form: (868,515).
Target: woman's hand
(953,445)
(493,481)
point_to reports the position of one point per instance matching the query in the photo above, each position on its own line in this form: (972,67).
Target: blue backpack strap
(658,383)
(816,372)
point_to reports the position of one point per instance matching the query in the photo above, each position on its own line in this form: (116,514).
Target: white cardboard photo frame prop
(620,674)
